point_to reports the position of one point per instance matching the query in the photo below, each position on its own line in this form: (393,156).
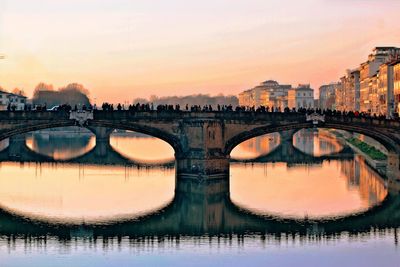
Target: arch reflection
(205,209)
(333,189)
(76,194)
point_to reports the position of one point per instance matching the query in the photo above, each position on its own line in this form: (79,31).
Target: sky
(124,49)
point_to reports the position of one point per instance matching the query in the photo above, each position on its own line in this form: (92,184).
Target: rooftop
(11,94)
(270,83)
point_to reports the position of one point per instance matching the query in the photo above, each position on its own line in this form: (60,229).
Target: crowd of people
(165,107)
(149,107)
(244,109)
(229,108)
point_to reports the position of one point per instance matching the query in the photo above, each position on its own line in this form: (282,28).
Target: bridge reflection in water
(29,197)
(204,210)
(333,192)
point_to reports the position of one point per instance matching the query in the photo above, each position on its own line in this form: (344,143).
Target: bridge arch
(386,140)
(22,129)
(172,140)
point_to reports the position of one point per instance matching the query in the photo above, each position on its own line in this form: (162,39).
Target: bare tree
(17,91)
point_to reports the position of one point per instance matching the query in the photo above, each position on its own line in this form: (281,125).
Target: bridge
(104,154)
(203,140)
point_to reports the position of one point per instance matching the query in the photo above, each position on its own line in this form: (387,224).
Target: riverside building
(269,93)
(301,97)
(350,90)
(327,95)
(368,77)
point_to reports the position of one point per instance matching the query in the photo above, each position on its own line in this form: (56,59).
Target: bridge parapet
(390,124)
(33,115)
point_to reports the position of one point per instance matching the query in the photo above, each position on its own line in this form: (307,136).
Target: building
(340,98)
(396,88)
(368,71)
(327,95)
(3,100)
(269,93)
(246,98)
(385,90)
(373,94)
(301,97)
(350,90)
(14,101)
(17,102)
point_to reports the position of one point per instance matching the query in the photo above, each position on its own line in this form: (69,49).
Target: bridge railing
(173,115)
(228,115)
(24,115)
(364,121)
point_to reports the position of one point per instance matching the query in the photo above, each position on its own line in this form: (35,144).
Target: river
(307,201)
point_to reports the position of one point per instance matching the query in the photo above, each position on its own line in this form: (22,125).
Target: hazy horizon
(121,50)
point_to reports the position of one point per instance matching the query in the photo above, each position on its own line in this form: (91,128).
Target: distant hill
(199,99)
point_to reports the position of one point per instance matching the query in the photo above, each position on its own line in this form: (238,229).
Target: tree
(17,91)
(73,94)
(44,87)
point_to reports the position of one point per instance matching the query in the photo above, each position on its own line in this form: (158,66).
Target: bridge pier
(16,145)
(202,157)
(102,140)
(286,143)
(201,169)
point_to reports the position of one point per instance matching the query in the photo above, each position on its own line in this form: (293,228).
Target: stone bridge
(104,154)
(203,140)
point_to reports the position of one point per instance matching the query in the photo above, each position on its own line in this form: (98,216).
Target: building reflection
(371,186)
(316,142)
(256,147)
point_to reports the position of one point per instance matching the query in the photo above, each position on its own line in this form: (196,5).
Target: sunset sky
(123,49)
